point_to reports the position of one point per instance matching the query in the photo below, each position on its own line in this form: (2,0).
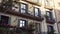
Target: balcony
(4,22)
(7,26)
(13,12)
(32,2)
(49,20)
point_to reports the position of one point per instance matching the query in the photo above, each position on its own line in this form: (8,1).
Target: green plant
(52,32)
(4,29)
(31,26)
(24,32)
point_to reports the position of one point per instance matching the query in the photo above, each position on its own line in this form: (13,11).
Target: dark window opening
(4,19)
(50,30)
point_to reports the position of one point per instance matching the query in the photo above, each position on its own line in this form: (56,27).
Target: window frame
(51,28)
(25,24)
(50,14)
(9,18)
(26,5)
(39,12)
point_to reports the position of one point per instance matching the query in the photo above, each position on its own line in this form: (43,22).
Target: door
(38,29)
(50,30)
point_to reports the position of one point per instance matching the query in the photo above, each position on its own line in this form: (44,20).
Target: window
(49,14)
(36,12)
(22,23)
(50,29)
(4,19)
(38,28)
(23,8)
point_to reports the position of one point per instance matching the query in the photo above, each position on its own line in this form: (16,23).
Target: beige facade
(43,5)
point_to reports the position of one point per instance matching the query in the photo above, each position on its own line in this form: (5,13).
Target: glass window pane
(48,14)
(23,11)
(49,28)
(23,6)
(36,12)
(21,22)
(20,25)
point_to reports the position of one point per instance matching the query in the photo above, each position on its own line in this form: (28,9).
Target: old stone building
(20,13)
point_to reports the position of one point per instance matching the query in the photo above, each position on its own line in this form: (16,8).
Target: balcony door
(22,26)
(50,29)
(4,20)
(49,14)
(38,28)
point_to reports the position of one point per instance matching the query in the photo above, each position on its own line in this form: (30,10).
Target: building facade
(18,14)
(57,12)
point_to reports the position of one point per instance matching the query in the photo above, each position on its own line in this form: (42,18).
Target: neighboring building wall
(58,19)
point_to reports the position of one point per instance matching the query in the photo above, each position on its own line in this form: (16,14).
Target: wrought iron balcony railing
(7,8)
(13,12)
(50,20)
(7,26)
